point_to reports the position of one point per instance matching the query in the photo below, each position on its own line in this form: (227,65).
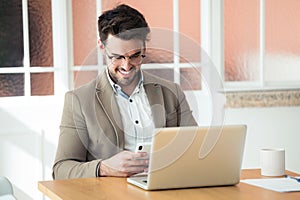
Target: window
(48,45)
(169,52)
(261,44)
(26,54)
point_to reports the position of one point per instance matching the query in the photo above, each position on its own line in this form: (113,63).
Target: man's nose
(126,63)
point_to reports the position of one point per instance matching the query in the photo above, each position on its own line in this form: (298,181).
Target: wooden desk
(118,188)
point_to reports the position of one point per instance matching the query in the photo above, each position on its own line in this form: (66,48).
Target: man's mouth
(125,73)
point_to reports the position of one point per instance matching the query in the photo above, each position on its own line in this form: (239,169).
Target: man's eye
(135,55)
(118,57)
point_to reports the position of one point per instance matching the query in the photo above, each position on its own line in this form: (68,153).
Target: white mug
(272,161)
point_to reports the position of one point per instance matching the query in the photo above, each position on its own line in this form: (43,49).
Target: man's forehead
(119,46)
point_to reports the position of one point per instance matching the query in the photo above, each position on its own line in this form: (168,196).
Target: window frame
(215,48)
(62,41)
(212,41)
(176,65)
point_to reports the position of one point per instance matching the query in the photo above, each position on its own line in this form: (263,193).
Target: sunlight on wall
(21,163)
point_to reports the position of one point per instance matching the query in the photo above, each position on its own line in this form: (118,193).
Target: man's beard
(123,81)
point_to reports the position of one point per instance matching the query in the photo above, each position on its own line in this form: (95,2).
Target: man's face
(124,59)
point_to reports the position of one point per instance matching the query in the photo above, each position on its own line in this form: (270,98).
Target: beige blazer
(91,127)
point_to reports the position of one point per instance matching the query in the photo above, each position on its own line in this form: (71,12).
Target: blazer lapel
(156,101)
(105,96)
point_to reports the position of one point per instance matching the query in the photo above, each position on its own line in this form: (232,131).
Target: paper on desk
(275,184)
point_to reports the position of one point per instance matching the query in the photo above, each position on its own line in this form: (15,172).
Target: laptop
(187,157)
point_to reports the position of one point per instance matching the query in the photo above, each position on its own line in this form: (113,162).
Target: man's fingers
(138,162)
(141,154)
(125,163)
(128,155)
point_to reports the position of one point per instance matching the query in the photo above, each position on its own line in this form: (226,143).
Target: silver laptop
(185,157)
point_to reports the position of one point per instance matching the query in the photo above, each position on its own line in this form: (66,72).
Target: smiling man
(104,120)
(124,61)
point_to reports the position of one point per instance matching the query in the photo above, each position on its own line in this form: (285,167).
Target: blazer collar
(154,93)
(156,99)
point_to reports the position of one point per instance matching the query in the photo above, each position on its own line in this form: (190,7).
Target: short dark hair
(123,22)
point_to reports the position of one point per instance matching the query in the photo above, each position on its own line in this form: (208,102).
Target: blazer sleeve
(72,150)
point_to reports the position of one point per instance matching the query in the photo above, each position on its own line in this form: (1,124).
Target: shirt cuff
(98,174)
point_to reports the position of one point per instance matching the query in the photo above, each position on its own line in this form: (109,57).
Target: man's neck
(128,89)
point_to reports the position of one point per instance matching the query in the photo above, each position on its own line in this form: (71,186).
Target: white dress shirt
(135,113)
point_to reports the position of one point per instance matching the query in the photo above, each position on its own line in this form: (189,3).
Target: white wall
(30,127)
(28,138)
(269,127)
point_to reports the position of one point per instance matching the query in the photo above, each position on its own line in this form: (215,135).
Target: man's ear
(101,45)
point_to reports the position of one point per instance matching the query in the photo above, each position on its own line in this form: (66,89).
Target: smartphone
(144,147)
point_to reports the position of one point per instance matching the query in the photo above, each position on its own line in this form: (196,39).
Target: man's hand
(124,164)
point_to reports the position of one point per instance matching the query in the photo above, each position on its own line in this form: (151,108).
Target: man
(103,121)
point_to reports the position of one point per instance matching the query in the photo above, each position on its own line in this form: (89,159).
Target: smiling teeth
(125,73)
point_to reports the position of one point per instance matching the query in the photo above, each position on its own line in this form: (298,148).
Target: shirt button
(130,100)
(136,121)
